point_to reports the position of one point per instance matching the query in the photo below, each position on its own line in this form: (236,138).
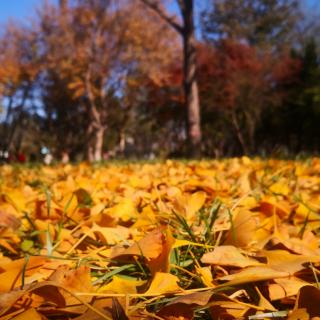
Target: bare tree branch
(182,6)
(170,20)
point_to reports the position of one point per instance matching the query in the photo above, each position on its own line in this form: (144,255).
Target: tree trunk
(90,153)
(190,82)
(191,94)
(239,133)
(4,143)
(98,144)
(96,128)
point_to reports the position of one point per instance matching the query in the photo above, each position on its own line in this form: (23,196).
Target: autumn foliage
(233,239)
(117,70)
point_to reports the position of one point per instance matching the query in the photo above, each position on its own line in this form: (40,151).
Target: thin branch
(163,15)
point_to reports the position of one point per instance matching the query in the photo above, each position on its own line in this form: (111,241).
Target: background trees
(18,77)
(106,48)
(186,30)
(113,78)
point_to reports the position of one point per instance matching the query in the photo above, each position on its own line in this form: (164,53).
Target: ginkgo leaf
(285,287)
(163,283)
(29,314)
(122,285)
(284,261)
(254,274)
(228,256)
(300,314)
(111,236)
(225,310)
(10,279)
(244,224)
(280,188)
(205,276)
(309,298)
(270,205)
(75,281)
(8,220)
(149,246)
(263,302)
(14,272)
(198,298)
(194,203)
(146,218)
(124,210)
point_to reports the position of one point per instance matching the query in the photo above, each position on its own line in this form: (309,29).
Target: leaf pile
(232,239)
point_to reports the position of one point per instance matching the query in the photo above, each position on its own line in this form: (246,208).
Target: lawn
(229,239)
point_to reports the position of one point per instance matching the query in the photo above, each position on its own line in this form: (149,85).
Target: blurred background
(101,79)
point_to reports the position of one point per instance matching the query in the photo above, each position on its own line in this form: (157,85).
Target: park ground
(214,239)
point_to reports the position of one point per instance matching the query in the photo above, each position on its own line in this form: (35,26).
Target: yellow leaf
(284,261)
(69,204)
(285,287)
(146,218)
(98,208)
(163,283)
(122,285)
(253,274)
(300,314)
(11,276)
(28,315)
(263,302)
(194,203)
(17,199)
(149,246)
(205,275)
(280,188)
(271,206)
(243,228)
(308,298)
(111,236)
(228,256)
(124,210)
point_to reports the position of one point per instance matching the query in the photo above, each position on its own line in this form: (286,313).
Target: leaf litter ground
(231,239)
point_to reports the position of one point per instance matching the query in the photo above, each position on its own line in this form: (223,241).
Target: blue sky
(17,9)
(22,9)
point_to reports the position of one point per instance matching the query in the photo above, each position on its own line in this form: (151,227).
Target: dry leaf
(309,299)
(253,274)
(228,256)
(163,283)
(29,314)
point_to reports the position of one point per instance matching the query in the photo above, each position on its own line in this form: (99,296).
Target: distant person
(48,159)
(21,158)
(65,157)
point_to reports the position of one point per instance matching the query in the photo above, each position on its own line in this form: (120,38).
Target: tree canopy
(97,79)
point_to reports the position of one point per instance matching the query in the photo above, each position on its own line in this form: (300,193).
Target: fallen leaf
(122,285)
(285,287)
(29,314)
(228,256)
(299,314)
(149,246)
(111,236)
(8,220)
(244,224)
(284,261)
(309,299)
(253,274)
(163,283)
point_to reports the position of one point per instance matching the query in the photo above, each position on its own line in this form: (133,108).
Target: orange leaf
(149,247)
(163,283)
(228,256)
(29,314)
